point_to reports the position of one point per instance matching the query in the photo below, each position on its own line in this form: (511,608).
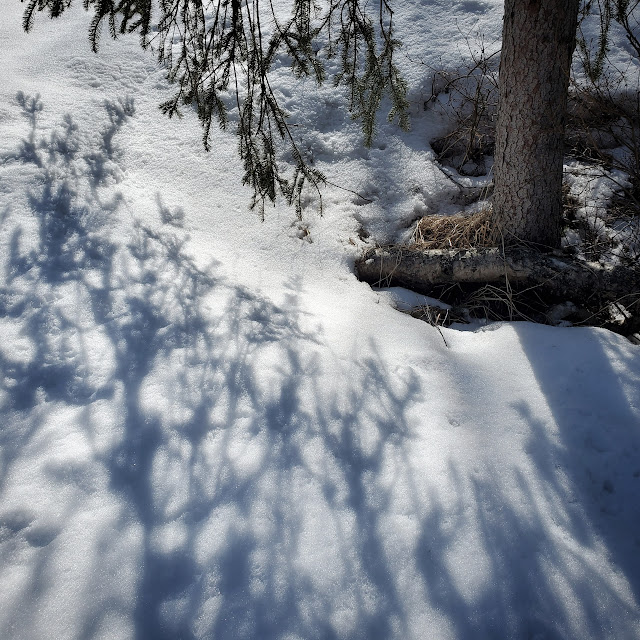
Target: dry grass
(454,232)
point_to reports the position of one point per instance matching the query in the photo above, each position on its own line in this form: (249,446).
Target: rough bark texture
(538,43)
(562,278)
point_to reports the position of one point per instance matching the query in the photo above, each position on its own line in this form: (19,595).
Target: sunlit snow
(211,430)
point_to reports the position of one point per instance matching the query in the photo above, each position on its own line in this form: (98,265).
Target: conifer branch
(215,48)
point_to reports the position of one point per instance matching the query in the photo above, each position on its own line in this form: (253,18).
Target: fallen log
(559,277)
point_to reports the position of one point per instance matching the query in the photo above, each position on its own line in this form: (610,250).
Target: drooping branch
(215,50)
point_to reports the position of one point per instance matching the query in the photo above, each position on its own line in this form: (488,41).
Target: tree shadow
(594,399)
(544,544)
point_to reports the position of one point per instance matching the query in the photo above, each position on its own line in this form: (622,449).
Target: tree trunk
(538,40)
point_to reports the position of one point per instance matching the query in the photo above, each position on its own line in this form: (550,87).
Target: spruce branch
(214,50)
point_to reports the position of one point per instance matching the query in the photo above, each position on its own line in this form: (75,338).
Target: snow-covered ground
(210,429)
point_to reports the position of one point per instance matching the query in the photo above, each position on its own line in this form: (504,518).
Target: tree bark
(538,41)
(559,278)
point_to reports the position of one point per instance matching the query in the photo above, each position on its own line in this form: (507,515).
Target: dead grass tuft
(454,232)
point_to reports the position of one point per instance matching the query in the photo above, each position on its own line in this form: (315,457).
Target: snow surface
(211,429)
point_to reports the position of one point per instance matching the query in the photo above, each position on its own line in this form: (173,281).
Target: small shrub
(468,97)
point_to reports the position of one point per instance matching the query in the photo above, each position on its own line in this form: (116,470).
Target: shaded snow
(211,429)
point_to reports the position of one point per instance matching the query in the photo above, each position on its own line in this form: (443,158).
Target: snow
(211,429)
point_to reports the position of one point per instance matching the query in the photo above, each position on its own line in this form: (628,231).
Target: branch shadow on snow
(204,417)
(230,476)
